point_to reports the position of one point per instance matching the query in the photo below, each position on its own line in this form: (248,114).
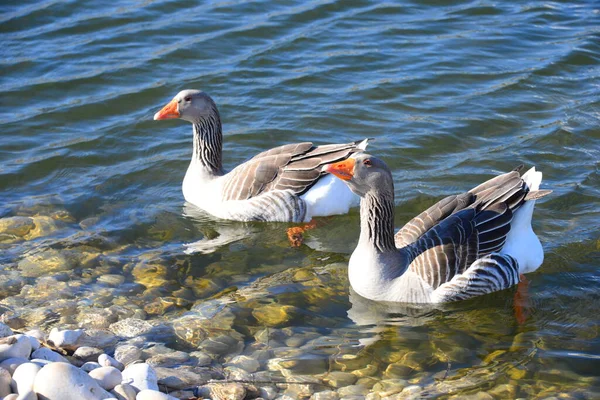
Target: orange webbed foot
(521,300)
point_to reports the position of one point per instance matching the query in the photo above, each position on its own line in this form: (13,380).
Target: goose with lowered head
(466,245)
(285,184)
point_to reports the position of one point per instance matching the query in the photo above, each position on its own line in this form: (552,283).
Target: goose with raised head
(465,245)
(285,184)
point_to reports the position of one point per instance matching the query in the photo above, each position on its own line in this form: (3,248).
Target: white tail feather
(521,241)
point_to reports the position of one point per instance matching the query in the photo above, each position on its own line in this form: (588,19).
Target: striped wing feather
(295,167)
(446,239)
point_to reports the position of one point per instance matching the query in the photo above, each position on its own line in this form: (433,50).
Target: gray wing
(295,167)
(450,236)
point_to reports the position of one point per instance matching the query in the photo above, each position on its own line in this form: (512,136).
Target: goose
(283,184)
(464,246)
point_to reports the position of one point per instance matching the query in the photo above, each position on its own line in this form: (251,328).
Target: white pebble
(15,346)
(107,377)
(90,366)
(140,376)
(148,394)
(24,376)
(124,391)
(67,382)
(107,361)
(27,396)
(66,339)
(46,354)
(5,380)
(41,362)
(35,344)
(10,364)
(38,334)
(12,396)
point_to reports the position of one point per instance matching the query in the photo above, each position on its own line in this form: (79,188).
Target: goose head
(363,174)
(190,105)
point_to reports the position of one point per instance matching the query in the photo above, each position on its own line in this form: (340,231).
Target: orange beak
(168,112)
(343,169)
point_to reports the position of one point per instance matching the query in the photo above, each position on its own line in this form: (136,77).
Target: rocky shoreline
(84,317)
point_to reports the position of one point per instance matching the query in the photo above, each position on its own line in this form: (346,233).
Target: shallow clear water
(452,95)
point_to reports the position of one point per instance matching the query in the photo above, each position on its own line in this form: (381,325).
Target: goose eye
(188,98)
(367,162)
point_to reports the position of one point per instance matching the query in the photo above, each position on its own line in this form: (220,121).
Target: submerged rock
(38,263)
(126,354)
(131,327)
(274,314)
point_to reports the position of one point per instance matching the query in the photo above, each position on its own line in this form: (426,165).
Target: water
(452,95)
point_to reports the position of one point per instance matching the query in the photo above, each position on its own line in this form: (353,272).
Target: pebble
(124,391)
(65,339)
(107,361)
(40,362)
(325,395)
(87,353)
(74,384)
(229,391)
(15,346)
(148,394)
(35,343)
(201,358)
(107,377)
(24,376)
(130,327)
(5,330)
(5,382)
(98,338)
(45,353)
(90,366)
(244,362)
(38,334)
(141,376)
(127,354)
(10,364)
(182,378)
(338,379)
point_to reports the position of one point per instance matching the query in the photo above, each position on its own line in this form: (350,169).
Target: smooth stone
(16,226)
(107,361)
(141,376)
(127,354)
(180,378)
(124,391)
(274,314)
(244,362)
(75,384)
(230,391)
(202,359)
(90,366)
(27,396)
(40,362)
(5,330)
(325,395)
(353,390)
(148,394)
(98,338)
(338,379)
(5,383)
(130,327)
(87,353)
(65,339)
(45,353)
(10,364)
(169,360)
(267,392)
(37,333)
(12,396)
(107,377)
(15,346)
(35,343)
(24,376)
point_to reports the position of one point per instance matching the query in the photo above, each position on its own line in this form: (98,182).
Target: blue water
(452,94)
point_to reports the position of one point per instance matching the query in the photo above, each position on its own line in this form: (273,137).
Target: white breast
(329,196)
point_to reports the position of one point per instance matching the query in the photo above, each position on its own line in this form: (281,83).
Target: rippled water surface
(452,95)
